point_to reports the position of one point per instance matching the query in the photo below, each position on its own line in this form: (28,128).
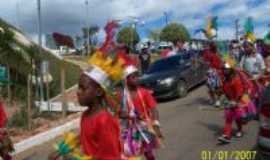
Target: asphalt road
(191,128)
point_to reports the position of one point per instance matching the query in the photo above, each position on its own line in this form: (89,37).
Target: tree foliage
(174,32)
(20,59)
(12,55)
(128,36)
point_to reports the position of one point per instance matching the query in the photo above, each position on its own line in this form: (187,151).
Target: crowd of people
(236,82)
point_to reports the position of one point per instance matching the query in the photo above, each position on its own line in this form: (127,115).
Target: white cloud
(69,16)
(226,33)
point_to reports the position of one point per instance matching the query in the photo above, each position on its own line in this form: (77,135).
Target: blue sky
(69,16)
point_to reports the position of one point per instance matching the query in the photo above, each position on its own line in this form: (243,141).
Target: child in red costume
(100,131)
(233,90)
(214,63)
(138,110)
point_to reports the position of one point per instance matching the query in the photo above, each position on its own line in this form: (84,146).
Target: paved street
(190,126)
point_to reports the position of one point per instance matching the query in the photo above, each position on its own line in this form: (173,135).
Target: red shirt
(247,83)
(213,60)
(233,88)
(100,136)
(144,102)
(3,116)
(165,52)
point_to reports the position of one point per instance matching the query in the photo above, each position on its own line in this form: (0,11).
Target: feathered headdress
(211,29)
(249,30)
(70,146)
(106,67)
(229,61)
(266,39)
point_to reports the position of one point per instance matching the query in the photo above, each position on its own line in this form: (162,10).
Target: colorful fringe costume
(137,133)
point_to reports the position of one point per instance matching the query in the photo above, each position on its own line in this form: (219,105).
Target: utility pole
(63,89)
(134,28)
(166,18)
(134,23)
(18,15)
(40,49)
(29,101)
(236,28)
(87,28)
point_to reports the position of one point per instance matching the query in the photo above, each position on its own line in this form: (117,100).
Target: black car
(175,75)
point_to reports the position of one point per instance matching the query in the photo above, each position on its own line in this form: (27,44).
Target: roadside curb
(49,134)
(45,136)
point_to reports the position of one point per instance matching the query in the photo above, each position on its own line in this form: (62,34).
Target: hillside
(25,45)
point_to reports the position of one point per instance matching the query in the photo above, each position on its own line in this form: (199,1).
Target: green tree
(15,59)
(128,36)
(174,32)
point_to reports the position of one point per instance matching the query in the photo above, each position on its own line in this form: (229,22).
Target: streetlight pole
(18,15)
(166,17)
(236,28)
(133,26)
(87,28)
(134,23)
(40,47)
(39,23)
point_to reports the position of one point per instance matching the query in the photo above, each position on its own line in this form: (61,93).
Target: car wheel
(181,89)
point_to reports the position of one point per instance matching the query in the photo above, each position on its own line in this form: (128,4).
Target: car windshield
(165,64)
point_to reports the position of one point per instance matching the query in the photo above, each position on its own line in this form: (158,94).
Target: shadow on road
(217,129)
(167,100)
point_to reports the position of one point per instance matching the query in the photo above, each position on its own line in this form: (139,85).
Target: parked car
(264,129)
(175,75)
(165,45)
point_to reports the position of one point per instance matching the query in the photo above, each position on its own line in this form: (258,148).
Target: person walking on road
(214,63)
(252,62)
(99,136)
(139,118)
(145,59)
(234,91)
